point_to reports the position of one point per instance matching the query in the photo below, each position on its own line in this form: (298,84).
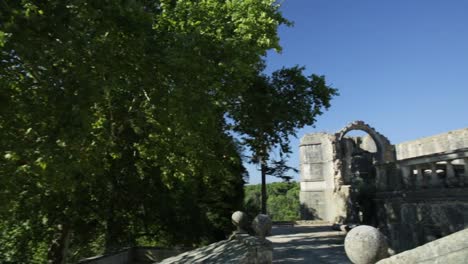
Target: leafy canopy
(113,120)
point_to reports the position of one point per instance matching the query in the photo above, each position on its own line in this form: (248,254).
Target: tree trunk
(264,192)
(58,249)
(111,239)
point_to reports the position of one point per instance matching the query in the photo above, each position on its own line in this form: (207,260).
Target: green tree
(272,109)
(113,121)
(282,204)
(116,120)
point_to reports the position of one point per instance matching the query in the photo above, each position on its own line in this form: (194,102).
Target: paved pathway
(308,244)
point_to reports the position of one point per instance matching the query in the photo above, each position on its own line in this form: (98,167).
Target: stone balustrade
(366,245)
(415,191)
(436,171)
(239,248)
(449,249)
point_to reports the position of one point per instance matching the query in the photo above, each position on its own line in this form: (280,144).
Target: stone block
(313,172)
(316,148)
(311,153)
(312,205)
(313,186)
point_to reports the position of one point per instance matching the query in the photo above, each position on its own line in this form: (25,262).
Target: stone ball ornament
(262,225)
(365,245)
(240,220)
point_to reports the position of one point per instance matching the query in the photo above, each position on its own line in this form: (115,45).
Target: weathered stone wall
(420,191)
(450,249)
(413,218)
(326,162)
(456,139)
(423,196)
(367,143)
(316,156)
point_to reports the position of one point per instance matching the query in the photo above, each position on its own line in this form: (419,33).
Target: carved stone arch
(385,151)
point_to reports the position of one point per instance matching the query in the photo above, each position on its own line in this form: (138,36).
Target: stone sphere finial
(365,245)
(240,220)
(262,225)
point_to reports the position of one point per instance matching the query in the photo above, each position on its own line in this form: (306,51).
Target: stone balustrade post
(449,174)
(381,178)
(419,179)
(406,173)
(464,179)
(434,182)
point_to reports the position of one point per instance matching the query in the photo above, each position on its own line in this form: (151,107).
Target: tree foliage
(283,200)
(114,120)
(272,109)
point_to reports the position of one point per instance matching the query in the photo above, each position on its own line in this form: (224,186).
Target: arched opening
(360,148)
(359,153)
(381,145)
(363,140)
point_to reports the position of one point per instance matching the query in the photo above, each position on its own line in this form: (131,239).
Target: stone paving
(308,244)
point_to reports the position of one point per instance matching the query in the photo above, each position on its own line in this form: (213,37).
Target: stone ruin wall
(421,185)
(316,152)
(425,197)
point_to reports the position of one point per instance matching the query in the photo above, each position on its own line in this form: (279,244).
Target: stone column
(381,177)
(426,177)
(450,179)
(419,179)
(406,173)
(464,180)
(434,182)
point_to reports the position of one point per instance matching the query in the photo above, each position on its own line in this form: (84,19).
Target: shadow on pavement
(308,244)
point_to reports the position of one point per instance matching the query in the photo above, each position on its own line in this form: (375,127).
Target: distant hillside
(282,203)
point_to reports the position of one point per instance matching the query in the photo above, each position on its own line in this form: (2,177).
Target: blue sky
(401,66)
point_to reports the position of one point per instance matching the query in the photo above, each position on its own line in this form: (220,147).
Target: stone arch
(355,197)
(385,151)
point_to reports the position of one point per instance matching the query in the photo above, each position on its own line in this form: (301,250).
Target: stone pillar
(426,176)
(381,178)
(464,180)
(317,177)
(450,179)
(419,180)
(406,173)
(434,182)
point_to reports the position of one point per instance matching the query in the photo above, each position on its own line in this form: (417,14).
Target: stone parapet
(134,255)
(449,249)
(243,249)
(446,142)
(413,218)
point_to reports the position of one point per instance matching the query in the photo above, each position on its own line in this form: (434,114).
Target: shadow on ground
(308,244)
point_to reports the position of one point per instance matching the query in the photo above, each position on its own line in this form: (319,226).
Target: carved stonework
(332,171)
(414,192)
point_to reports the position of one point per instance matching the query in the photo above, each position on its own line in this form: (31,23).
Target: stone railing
(433,171)
(239,248)
(422,198)
(413,218)
(443,170)
(366,245)
(134,255)
(451,249)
